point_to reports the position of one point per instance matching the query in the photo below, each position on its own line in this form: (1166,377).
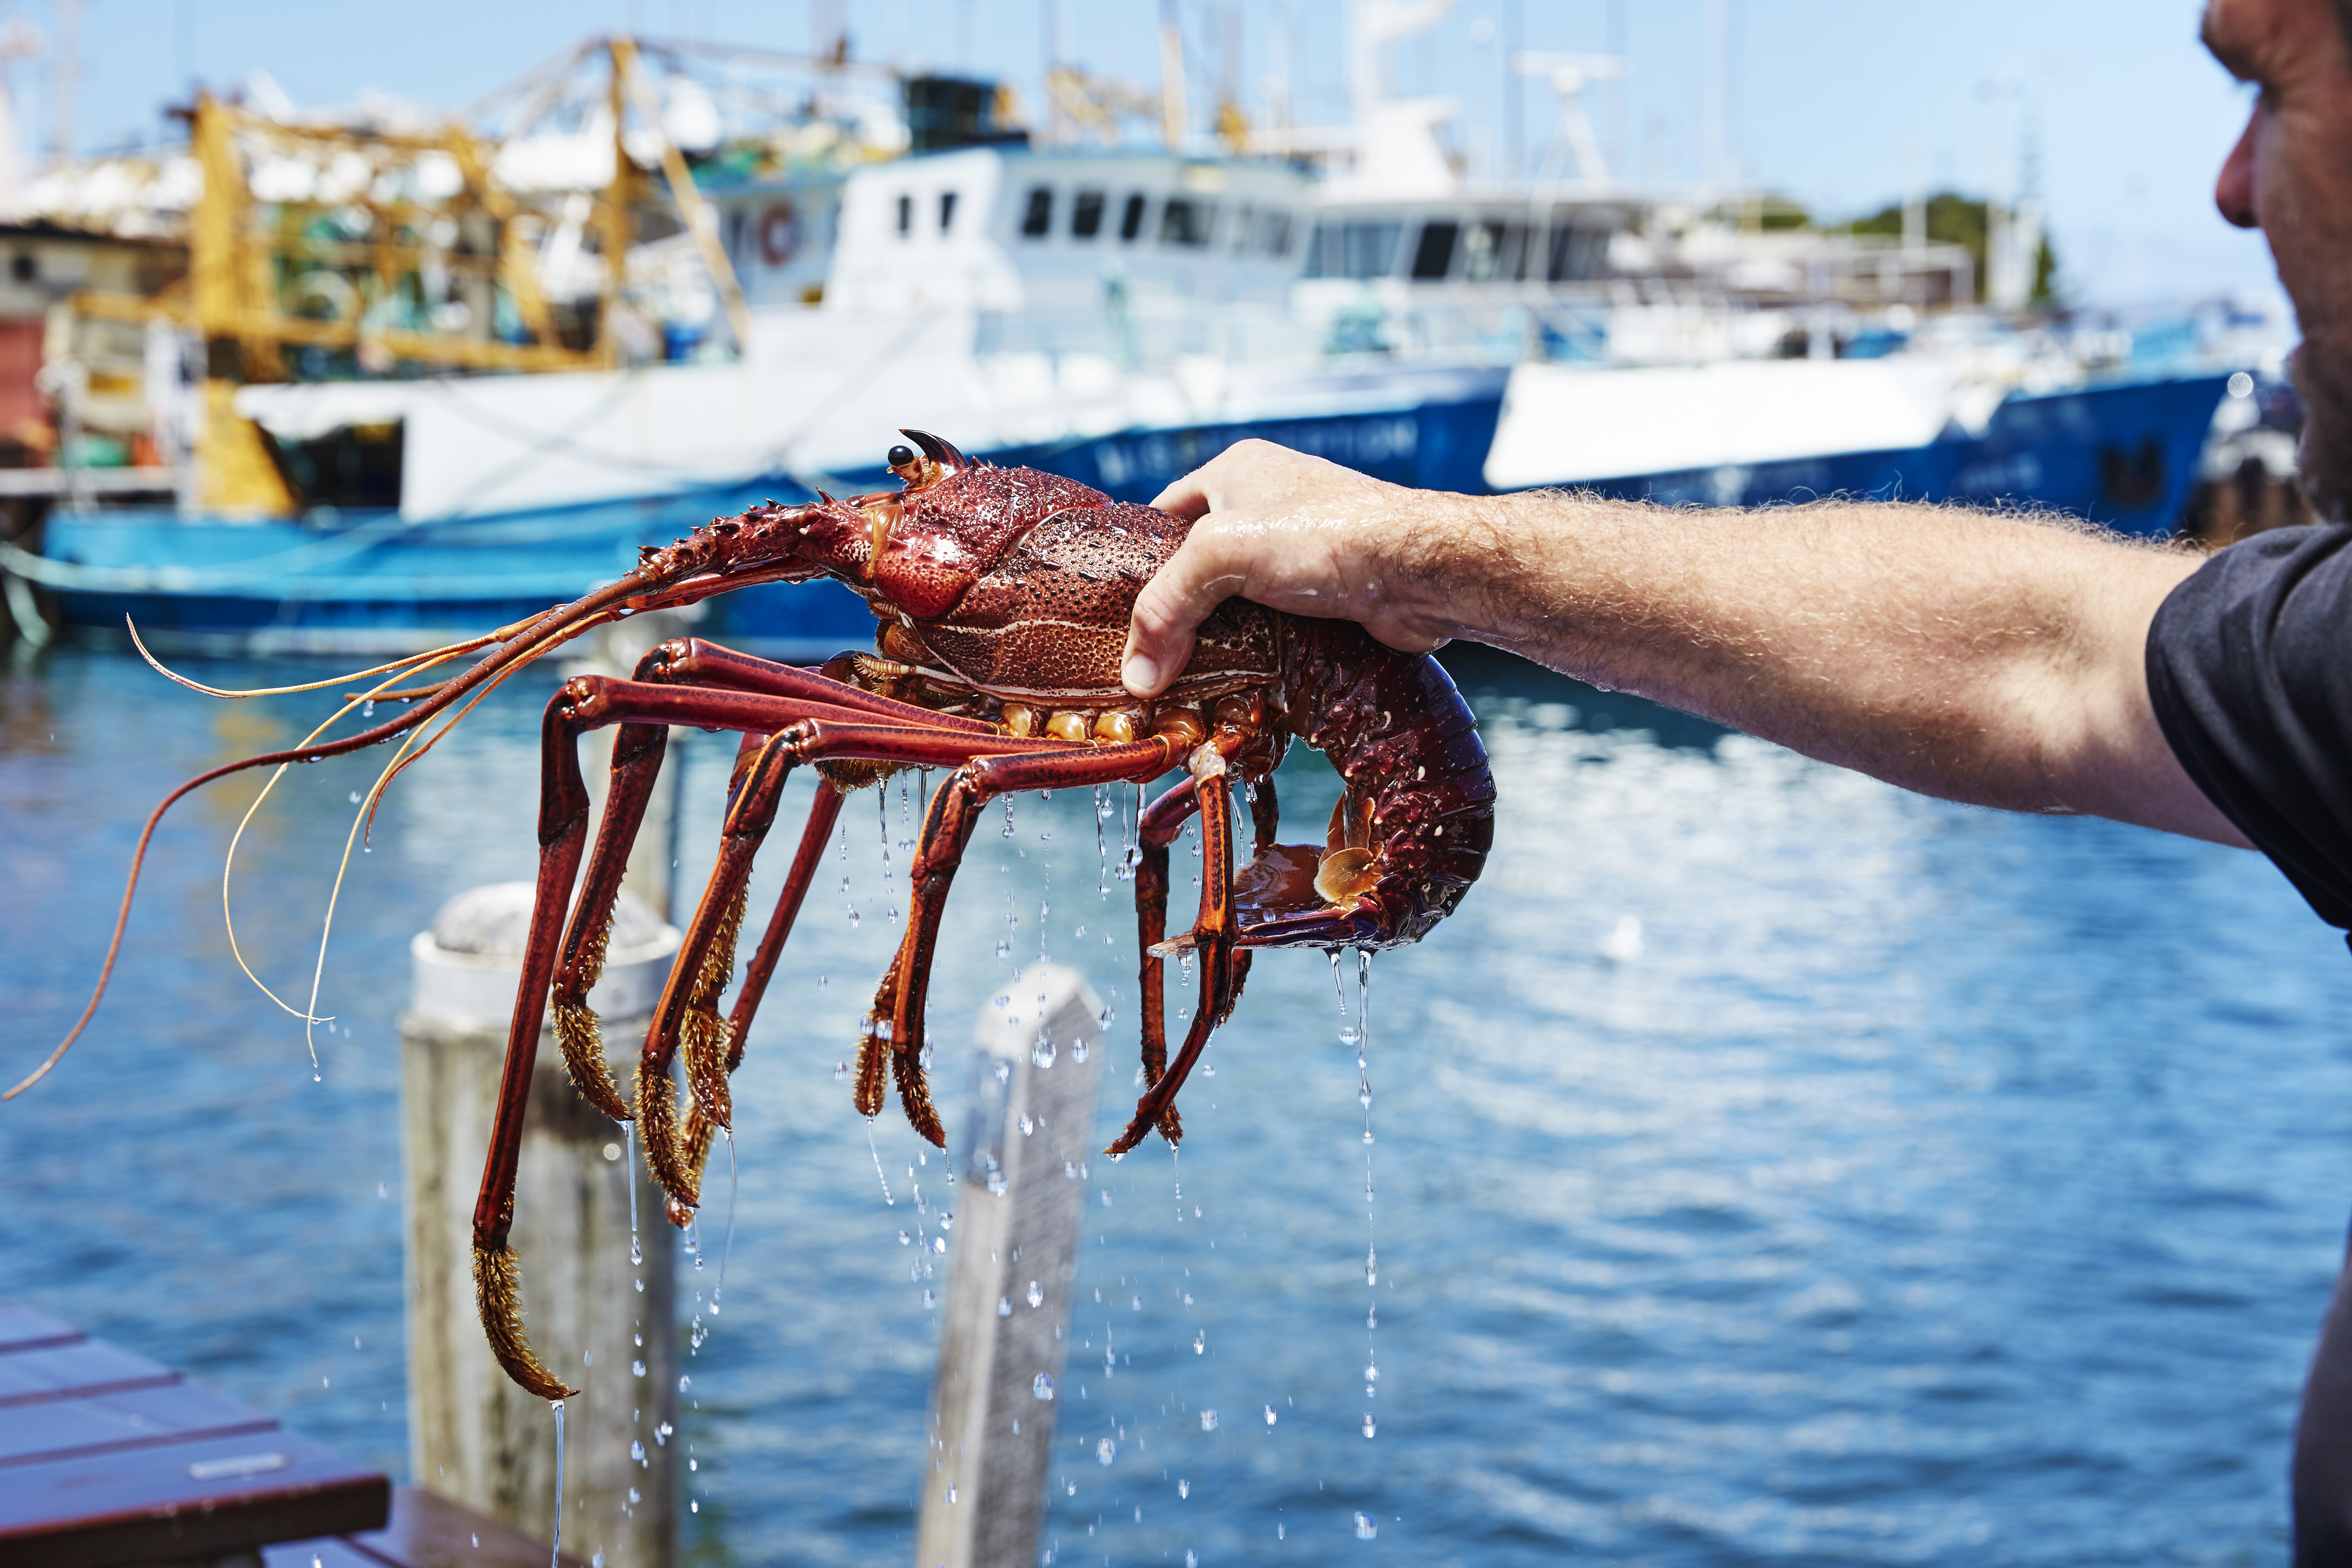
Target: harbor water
(1768,1166)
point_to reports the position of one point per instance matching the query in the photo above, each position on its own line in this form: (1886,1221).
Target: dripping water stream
(555,1548)
(1357,1032)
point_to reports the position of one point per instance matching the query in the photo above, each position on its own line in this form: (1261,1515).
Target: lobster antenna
(430,657)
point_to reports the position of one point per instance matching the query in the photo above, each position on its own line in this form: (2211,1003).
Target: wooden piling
(1022,1179)
(604,1325)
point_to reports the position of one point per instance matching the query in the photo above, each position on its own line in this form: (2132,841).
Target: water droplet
(1201,1342)
(1351,1035)
(1003,1306)
(939,1243)
(637,1369)
(947,1222)
(1372,1375)
(1207,1420)
(1044,1054)
(1105,1198)
(1371,1266)
(1044,1387)
(1106,1451)
(951,1494)
(637,1450)
(1365,1528)
(355,797)
(1036,1294)
(1027,1126)
(1190,1559)
(904,1239)
(1269,1416)
(996,1183)
(684,1384)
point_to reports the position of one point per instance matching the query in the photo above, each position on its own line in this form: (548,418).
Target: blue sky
(1837,103)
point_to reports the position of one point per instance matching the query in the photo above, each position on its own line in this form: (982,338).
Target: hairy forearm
(1965,654)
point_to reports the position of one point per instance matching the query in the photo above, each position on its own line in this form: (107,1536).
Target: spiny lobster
(1004,596)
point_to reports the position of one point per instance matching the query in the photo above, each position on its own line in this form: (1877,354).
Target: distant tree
(1961,220)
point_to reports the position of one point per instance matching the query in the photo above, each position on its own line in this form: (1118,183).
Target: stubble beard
(2323,380)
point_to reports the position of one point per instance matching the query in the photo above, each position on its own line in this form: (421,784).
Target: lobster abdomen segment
(1420,801)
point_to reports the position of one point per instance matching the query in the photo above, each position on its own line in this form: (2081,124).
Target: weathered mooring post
(599,1320)
(1021,1197)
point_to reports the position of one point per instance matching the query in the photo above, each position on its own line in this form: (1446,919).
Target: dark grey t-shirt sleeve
(2250,668)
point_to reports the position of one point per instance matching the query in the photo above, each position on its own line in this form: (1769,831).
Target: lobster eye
(901,459)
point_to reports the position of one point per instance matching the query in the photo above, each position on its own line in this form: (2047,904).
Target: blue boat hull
(2122,456)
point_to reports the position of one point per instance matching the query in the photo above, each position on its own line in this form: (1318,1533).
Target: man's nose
(2233,192)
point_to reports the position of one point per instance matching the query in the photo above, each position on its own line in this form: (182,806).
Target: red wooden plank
(189,1498)
(425,1531)
(134,1419)
(65,1370)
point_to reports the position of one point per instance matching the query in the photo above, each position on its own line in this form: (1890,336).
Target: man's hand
(1298,534)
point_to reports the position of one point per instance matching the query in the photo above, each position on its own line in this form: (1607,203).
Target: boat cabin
(1066,231)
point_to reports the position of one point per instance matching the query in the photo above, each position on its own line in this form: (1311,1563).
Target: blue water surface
(1922,1186)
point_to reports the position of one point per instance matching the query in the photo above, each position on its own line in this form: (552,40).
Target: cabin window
(946,210)
(906,216)
(1493,250)
(1130,222)
(1274,233)
(1577,254)
(1037,218)
(1186,222)
(1433,256)
(1086,215)
(1242,221)
(1353,250)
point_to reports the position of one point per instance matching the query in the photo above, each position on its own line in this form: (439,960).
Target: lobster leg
(696,1138)
(897,1031)
(823,811)
(562,833)
(1213,937)
(688,1016)
(1155,830)
(638,753)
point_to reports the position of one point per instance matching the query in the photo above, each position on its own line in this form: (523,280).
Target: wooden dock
(110,1460)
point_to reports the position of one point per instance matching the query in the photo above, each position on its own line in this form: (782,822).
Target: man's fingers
(1185,499)
(1169,610)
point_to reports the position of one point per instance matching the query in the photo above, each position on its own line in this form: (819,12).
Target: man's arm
(1978,657)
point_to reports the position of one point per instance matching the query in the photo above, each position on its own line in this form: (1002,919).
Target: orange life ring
(780,234)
